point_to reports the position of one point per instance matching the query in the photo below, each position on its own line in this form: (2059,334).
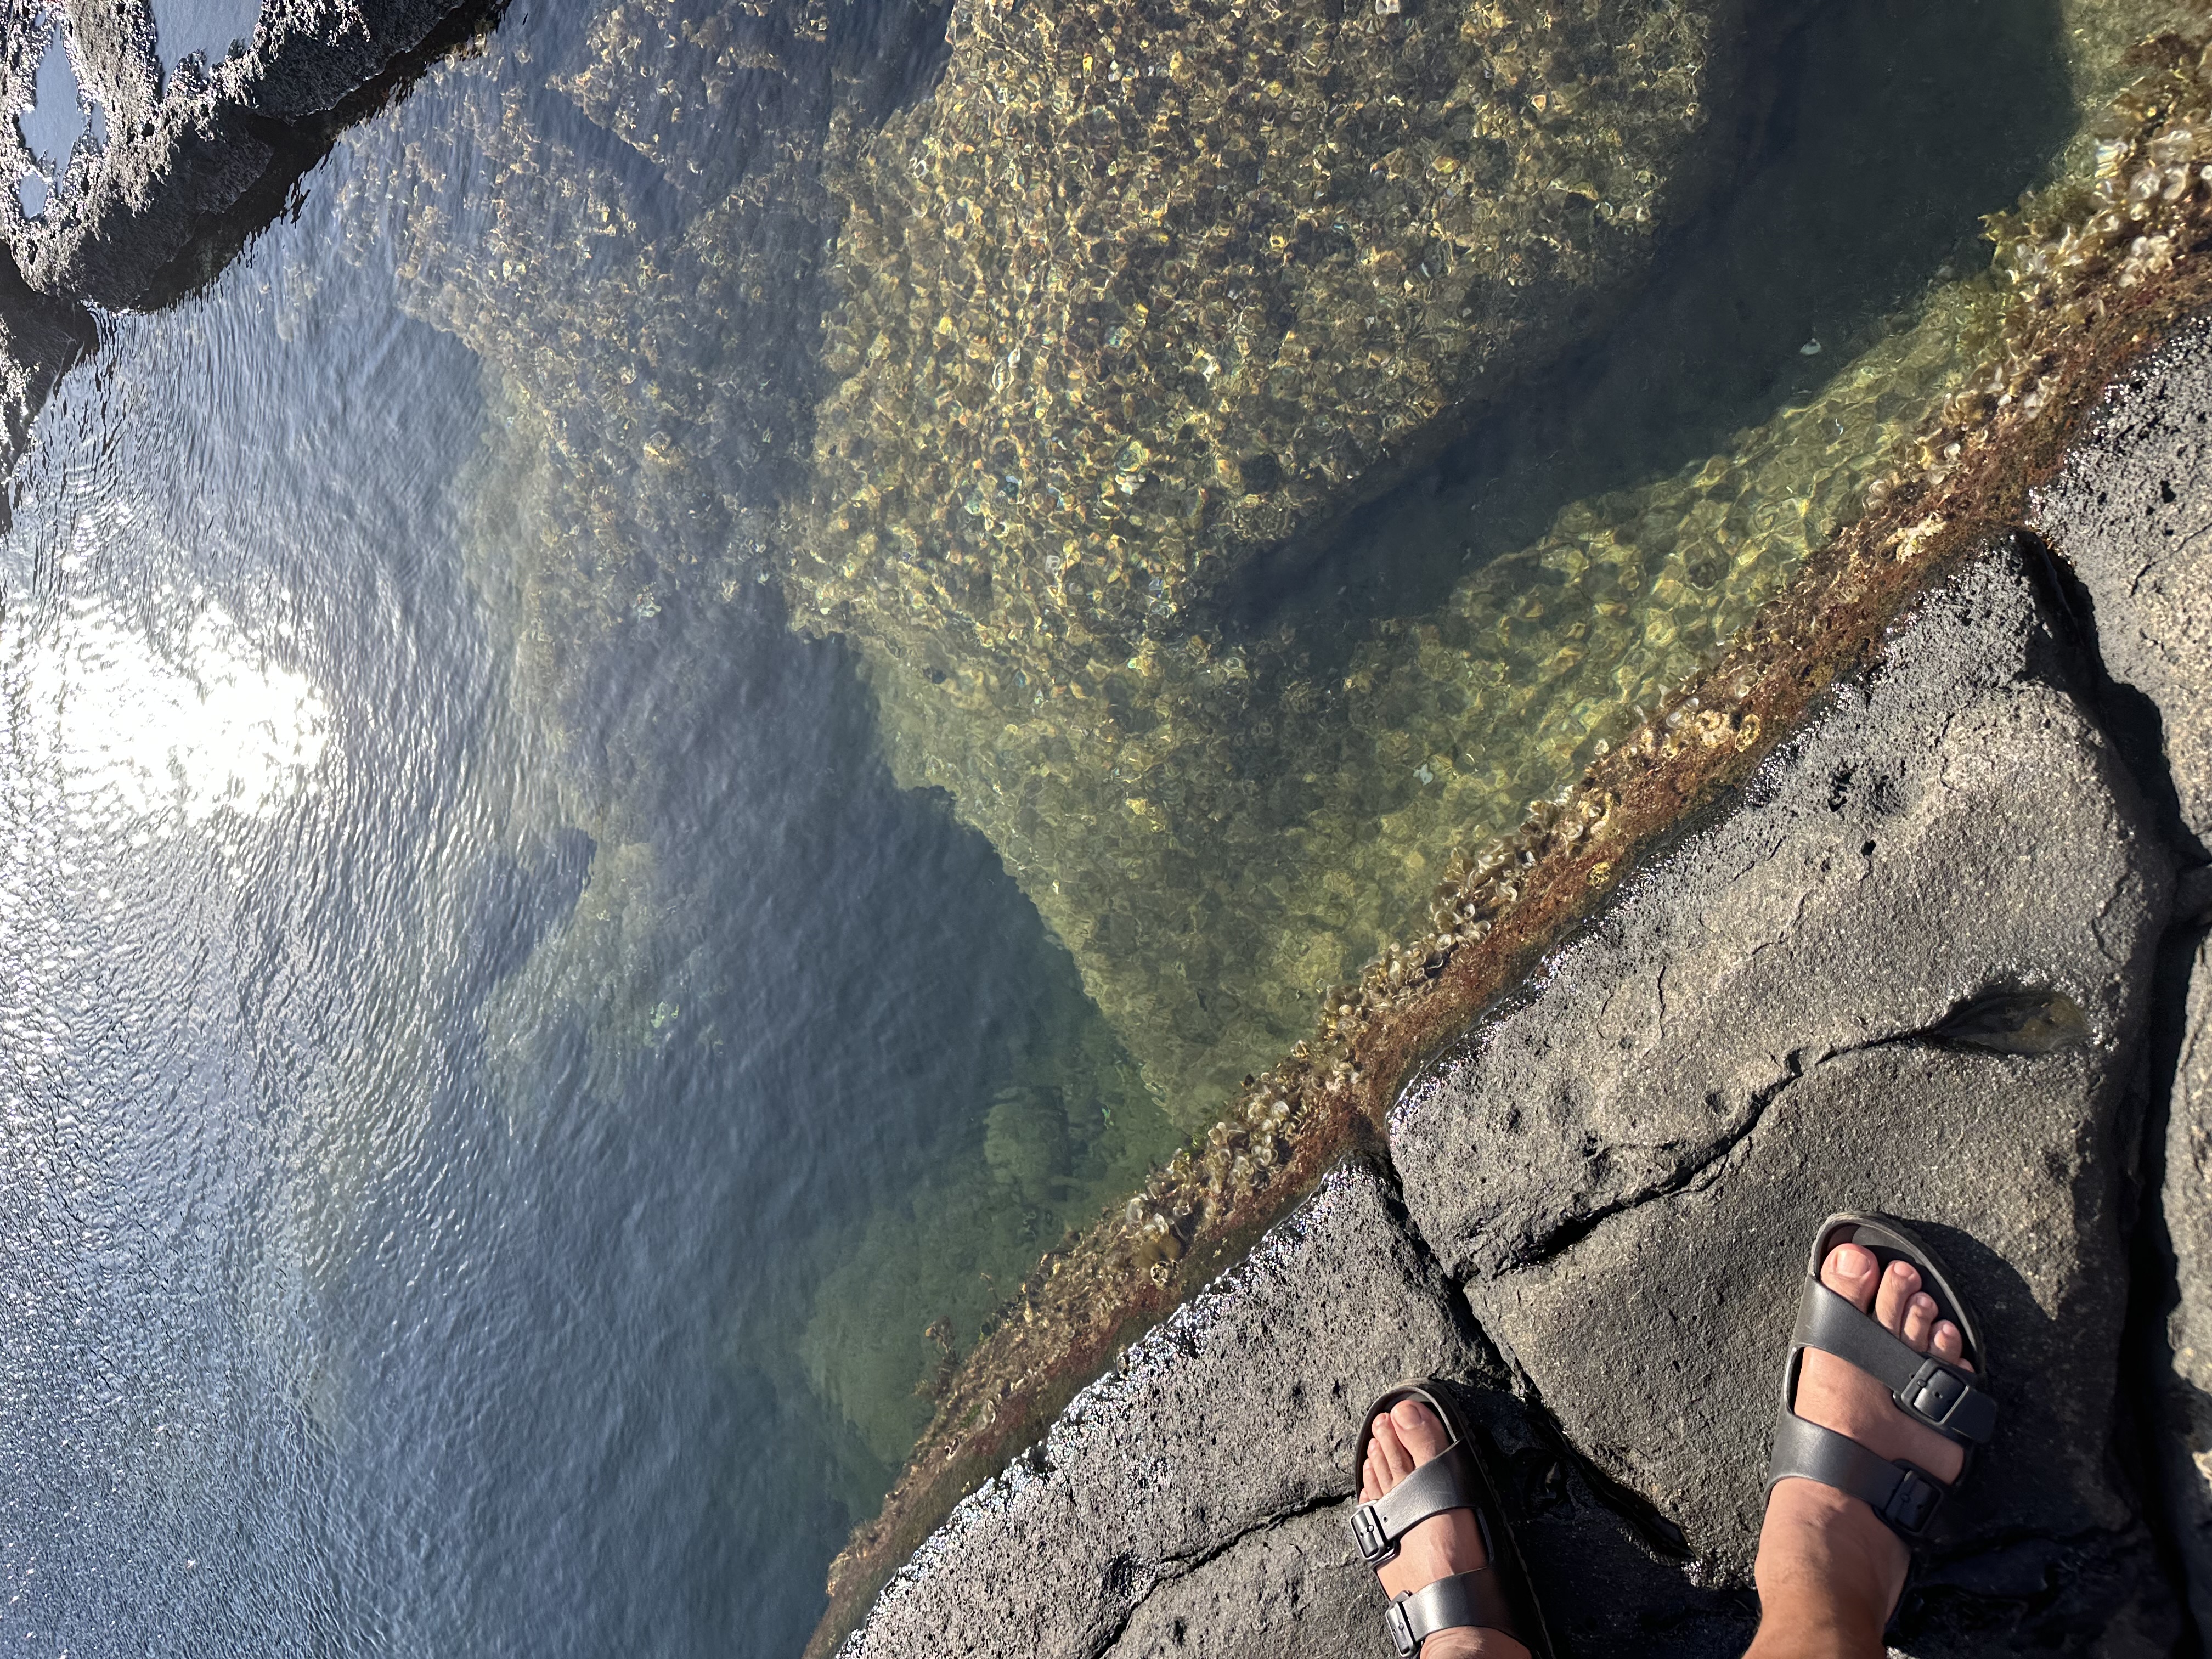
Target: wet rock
(1239,1413)
(130,219)
(1773,1024)
(40,339)
(2129,514)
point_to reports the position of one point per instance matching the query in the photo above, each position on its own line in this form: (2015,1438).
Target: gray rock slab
(1238,1412)
(2131,512)
(1801,1009)
(1656,1339)
(1957,830)
(1294,1589)
(2186,1195)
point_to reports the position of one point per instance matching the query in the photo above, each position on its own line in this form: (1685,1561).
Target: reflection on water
(514,1094)
(121,727)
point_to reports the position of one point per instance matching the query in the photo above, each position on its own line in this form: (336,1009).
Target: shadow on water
(1894,127)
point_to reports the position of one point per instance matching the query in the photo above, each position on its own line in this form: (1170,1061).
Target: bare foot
(1829,1572)
(1406,1436)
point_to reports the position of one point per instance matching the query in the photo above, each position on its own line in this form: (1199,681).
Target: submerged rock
(1619,1176)
(1133,294)
(1136,291)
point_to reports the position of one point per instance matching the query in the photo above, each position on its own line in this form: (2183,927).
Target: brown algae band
(2088,273)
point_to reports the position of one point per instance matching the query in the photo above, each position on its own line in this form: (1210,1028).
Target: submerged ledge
(2100,272)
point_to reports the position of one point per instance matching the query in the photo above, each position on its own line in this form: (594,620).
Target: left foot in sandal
(1406,1436)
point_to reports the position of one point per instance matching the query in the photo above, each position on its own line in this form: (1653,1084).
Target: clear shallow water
(342,1319)
(502,1082)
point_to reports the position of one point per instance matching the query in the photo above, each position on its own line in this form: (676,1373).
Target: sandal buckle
(1913,1504)
(1401,1628)
(1948,1399)
(1376,1548)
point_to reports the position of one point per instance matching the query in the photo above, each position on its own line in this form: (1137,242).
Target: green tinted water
(1038,363)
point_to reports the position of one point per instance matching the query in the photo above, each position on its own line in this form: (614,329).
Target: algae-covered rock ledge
(1908,609)
(1916,961)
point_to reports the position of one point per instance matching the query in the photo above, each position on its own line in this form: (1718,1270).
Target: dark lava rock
(2131,515)
(1625,1168)
(1236,1415)
(127,222)
(1910,970)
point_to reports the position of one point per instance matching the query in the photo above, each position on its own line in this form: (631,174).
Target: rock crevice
(1913,965)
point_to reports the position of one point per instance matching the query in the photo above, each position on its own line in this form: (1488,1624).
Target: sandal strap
(1926,1389)
(1447,1481)
(1472,1601)
(1906,1498)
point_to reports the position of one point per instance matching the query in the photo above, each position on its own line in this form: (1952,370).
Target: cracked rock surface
(1912,967)
(1242,1411)
(2132,515)
(1909,972)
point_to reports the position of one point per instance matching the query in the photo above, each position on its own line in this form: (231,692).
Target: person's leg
(1828,1571)
(1406,1436)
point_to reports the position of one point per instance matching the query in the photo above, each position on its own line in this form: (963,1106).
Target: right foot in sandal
(1829,1572)
(1403,1438)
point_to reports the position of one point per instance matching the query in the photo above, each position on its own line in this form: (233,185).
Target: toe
(1850,1273)
(1890,1302)
(1371,1476)
(1387,1446)
(1420,1430)
(1948,1345)
(1919,1322)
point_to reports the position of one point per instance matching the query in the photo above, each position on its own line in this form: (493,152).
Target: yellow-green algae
(1216,825)
(1134,292)
(2087,272)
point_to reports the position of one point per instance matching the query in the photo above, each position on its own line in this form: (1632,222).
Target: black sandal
(1495,1595)
(1951,1401)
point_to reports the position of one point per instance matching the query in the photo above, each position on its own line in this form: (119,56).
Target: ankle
(1828,1574)
(1463,1643)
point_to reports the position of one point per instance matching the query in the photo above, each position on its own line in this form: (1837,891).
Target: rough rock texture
(1240,1412)
(181,156)
(165,181)
(1795,1013)
(2132,513)
(2186,1438)
(1195,1499)
(1911,968)
(1902,859)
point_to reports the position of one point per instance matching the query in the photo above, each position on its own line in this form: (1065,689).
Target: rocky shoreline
(1920,853)
(1930,958)
(2097,276)
(184,167)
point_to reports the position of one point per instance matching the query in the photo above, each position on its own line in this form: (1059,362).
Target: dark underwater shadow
(1894,127)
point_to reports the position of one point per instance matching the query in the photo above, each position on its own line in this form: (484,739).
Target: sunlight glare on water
(118,724)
